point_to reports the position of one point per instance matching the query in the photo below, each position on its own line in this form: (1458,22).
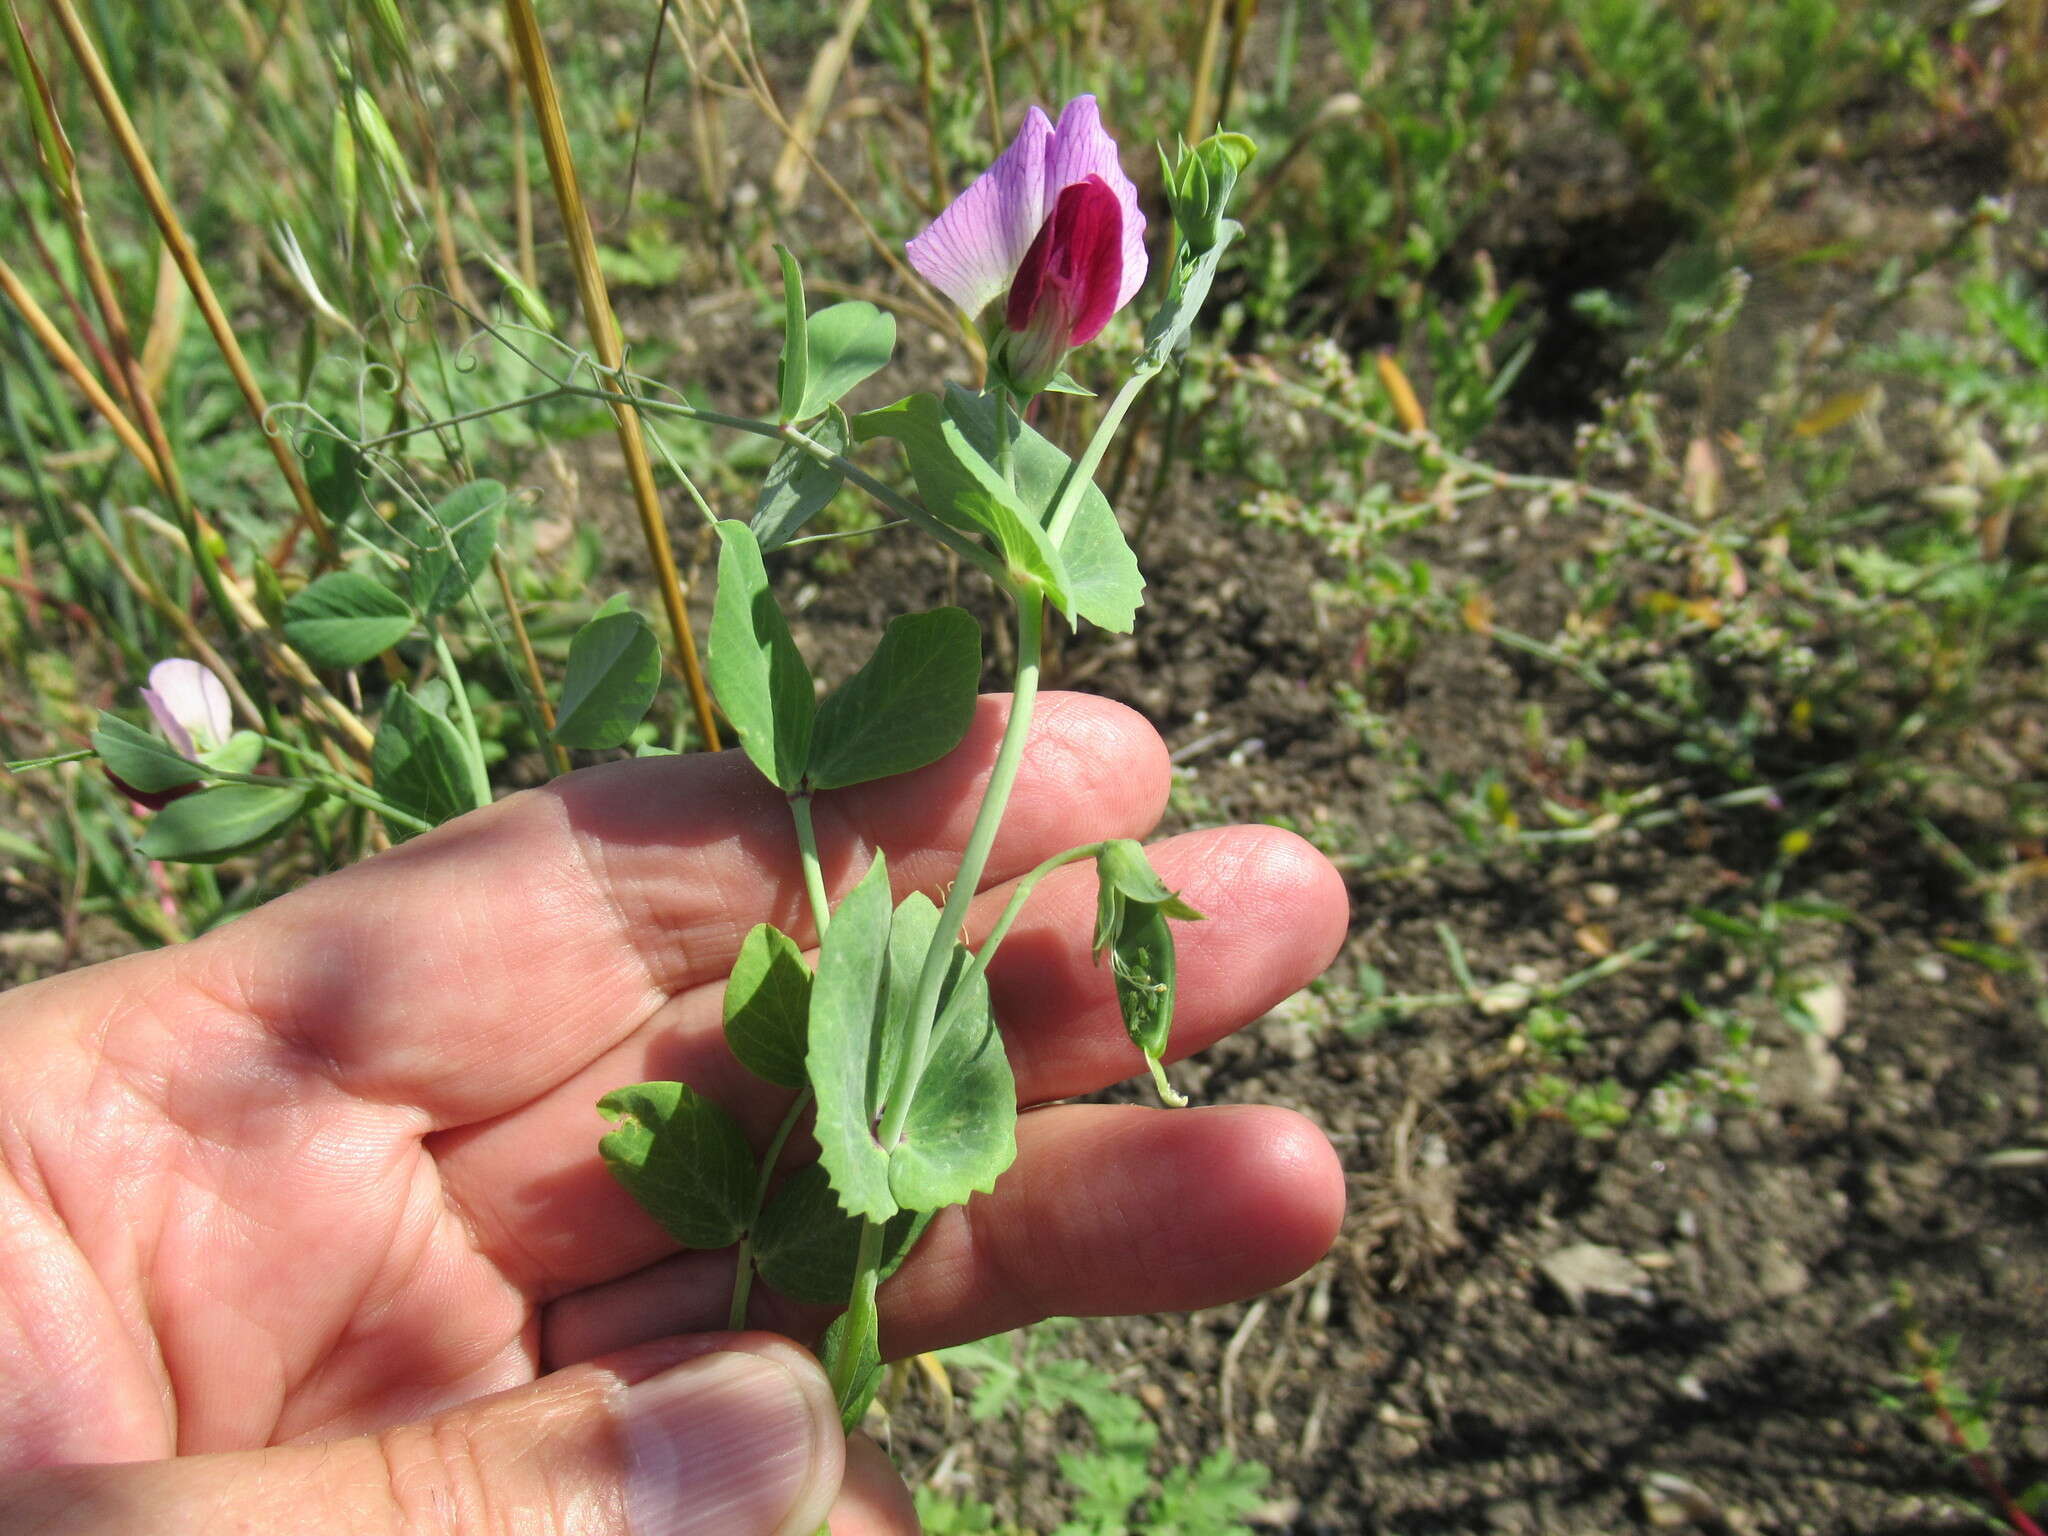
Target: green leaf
(760,679)
(846,343)
(962,489)
(614,669)
(419,762)
(806,1246)
(908,706)
(1168,331)
(1101,572)
(1992,957)
(942,482)
(866,1377)
(345,618)
(793,367)
(219,822)
(768,1007)
(453,544)
(845,1059)
(798,486)
(140,760)
(684,1159)
(334,474)
(960,1131)
(240,753)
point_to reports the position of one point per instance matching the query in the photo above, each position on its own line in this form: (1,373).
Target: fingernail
(732,1443)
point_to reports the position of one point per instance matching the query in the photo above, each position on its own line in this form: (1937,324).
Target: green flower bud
(1200,183)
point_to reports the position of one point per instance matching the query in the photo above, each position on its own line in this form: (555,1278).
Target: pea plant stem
(1081,473)
(479,779)
(862,1317)
(743,1277)
(1026,884)
(814,870)
(1002,779)
(332,784)
(821,916)
(888,496)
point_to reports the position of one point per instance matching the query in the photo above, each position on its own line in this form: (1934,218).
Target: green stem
(814,871)
(1006,437)
(861,1313)
(1002,778)
(1026,884)
(743,1278)
(1081,473)
(821,915)
(342,788)
(900,504)
(31,764)
(479,780)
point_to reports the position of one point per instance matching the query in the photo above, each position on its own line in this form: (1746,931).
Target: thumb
(735,1434)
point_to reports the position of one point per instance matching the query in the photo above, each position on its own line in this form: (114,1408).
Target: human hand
(304,1220)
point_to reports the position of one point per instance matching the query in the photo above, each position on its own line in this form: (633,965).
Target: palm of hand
(331,1169)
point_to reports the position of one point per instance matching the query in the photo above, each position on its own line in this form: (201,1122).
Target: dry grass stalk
(129,143)
(604,340)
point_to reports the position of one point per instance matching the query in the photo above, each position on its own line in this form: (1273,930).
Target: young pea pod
(1132,905)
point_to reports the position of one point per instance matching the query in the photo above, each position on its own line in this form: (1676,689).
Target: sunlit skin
(332,1168)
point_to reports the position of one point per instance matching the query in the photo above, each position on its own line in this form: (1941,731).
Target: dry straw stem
(558,753)
(132,151)
(73,365)
(174,614)
(991,98)
(793,164)
(1202,106)
(604,340)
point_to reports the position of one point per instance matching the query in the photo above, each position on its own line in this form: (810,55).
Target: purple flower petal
(190,706)
(970,251)
(1081,148)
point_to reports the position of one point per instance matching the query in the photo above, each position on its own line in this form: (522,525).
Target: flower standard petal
(1081,148)
(189,704)
(970,251)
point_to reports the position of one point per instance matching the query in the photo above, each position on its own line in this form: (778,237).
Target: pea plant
(890,1038)
(887,1039)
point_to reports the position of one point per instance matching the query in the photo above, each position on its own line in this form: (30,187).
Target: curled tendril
(380,376)
(501,333)
(302,441)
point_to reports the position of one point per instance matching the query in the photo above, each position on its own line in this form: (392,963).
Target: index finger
(467,971)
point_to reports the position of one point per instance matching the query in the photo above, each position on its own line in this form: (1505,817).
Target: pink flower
(189,705)
(190,708)
(1055,223)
